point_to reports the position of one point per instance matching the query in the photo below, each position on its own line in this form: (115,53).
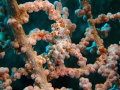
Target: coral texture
(52,56)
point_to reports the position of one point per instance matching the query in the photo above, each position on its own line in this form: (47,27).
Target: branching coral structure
(52,63)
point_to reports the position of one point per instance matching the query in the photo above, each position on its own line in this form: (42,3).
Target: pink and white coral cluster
(60,47)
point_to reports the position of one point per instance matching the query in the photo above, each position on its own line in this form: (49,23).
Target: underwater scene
(59,44)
